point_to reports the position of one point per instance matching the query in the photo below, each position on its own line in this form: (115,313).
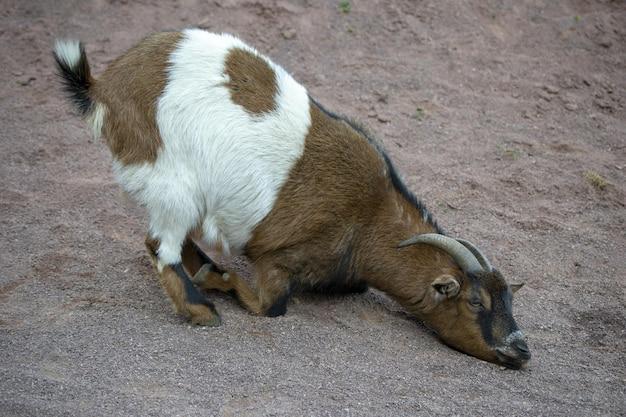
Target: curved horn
(478,254)
(462,255)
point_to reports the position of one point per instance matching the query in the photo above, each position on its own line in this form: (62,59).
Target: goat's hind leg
(187,300)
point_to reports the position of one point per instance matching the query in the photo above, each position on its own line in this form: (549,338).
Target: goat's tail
(75,74)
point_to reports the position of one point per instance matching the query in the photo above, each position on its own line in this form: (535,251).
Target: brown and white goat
(217,141)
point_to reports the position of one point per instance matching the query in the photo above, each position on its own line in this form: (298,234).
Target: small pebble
(24,81)
(551,89)
(603,104)
(288,33)
(605,42)
(545,96)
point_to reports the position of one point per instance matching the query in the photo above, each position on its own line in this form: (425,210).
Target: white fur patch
(219,167)
(95,119)
(68,51)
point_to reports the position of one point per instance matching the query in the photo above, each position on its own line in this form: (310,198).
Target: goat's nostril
(521,347)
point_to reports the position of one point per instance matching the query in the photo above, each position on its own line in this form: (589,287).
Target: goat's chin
(488,355)
(509,362)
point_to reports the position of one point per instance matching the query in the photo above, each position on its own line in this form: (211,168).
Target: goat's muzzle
(514,355)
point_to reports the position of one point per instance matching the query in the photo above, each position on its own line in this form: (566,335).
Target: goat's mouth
(512,360)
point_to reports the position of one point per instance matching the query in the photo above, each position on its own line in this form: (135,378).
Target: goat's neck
(406,273)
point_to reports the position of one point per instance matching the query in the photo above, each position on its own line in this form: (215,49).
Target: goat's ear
(445,286)
(516,287)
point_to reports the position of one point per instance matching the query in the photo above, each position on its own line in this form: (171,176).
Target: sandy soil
(497,112)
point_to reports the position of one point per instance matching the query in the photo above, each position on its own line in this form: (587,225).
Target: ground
(506,117)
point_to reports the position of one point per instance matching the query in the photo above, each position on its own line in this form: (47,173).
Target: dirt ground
(507,117)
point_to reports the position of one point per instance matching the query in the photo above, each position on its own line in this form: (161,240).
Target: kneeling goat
(220,143)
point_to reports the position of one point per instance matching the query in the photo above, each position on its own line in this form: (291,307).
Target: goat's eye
(476,304)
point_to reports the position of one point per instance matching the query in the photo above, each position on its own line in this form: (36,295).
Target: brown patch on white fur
(129,89)
(252,82)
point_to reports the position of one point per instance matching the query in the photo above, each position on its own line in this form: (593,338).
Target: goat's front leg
(269,299)
(187,300)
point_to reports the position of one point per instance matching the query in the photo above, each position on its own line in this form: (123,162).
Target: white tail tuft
(68,51)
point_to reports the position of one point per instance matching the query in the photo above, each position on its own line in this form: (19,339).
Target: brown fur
(252,82)
(318,222)
(314,203)
(272,284)
(190,258)
(467,338)
(322,229)
(316,219)
(129,89)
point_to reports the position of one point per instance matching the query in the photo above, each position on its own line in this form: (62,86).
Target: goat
(220,143)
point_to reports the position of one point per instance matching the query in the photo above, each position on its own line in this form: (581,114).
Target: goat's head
(472,312)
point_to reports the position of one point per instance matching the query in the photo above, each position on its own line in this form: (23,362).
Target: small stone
(551,89)
(525,114)
(603,104)
(372,113)
(567,81)
(24,81)
(570,106)
(545,96)
(288,33)
(383,119)
(605,42)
